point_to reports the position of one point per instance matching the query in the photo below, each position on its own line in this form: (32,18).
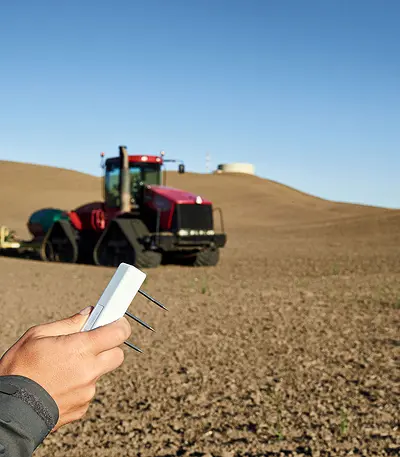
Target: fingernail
(86,310)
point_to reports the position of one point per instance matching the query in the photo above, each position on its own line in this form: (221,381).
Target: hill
(247,201)
(26,188)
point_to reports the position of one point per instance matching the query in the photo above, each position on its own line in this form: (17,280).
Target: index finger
(107,336)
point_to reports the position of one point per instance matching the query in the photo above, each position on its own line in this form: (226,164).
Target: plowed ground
(290,346)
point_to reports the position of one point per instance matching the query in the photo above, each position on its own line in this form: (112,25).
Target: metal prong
(139,321)
(132,346)
(152,299)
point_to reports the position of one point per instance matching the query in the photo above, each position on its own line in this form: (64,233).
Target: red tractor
(140,221)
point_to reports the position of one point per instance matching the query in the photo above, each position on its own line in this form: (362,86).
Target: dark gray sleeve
(27,415)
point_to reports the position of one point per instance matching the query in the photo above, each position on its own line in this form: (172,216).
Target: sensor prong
(132,346)
(139,321)
(145,294)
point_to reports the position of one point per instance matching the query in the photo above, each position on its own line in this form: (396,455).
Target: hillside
(26,188)
(247,201)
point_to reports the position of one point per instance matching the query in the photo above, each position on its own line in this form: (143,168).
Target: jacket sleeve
(27,415)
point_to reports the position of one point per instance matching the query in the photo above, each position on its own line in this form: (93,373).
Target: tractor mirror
(181,169)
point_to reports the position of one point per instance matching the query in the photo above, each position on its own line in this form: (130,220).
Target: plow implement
(11,245)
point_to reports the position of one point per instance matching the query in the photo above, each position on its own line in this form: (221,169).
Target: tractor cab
(140,171)
(143,171)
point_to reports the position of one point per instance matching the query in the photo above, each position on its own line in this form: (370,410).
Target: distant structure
(247,168)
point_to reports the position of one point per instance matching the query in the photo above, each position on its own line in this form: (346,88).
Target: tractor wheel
(148,259)
(111,256)
(59,244)
(114,253)
(206,258)
(120,243)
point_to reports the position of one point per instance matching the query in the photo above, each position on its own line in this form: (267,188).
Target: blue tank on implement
(40,221)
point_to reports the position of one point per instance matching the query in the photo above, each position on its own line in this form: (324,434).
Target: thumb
(71,324)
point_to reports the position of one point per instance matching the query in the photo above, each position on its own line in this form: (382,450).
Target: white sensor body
(117,296)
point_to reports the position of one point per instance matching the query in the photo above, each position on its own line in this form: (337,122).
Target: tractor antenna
(208,162)
(164,172)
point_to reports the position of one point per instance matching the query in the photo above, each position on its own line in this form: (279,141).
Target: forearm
(27,415)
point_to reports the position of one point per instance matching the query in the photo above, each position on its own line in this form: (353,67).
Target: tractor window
(147,174)
(136,180)
(140,174)
(112,186)
(151,174)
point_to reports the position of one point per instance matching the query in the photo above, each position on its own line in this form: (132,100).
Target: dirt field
(289,347)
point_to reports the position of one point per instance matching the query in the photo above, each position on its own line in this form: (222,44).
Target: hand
(66,362)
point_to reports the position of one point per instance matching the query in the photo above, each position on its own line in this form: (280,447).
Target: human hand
(67,363)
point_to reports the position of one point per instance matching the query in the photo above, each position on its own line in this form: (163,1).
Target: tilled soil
(290,346)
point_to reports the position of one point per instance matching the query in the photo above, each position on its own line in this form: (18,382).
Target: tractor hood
(177,196)
(177,209)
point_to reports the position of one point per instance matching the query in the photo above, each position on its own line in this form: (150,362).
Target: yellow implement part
(6,241)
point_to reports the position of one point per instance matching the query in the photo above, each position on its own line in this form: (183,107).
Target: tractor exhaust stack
(125,204)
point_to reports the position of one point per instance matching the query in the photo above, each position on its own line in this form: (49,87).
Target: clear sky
(306,90)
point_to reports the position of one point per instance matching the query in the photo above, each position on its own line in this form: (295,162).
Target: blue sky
(307,90)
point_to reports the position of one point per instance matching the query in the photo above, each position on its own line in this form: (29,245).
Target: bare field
(289,347)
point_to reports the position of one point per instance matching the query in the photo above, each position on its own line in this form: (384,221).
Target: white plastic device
(117,296)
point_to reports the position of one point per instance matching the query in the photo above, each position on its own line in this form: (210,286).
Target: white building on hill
(236,167)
